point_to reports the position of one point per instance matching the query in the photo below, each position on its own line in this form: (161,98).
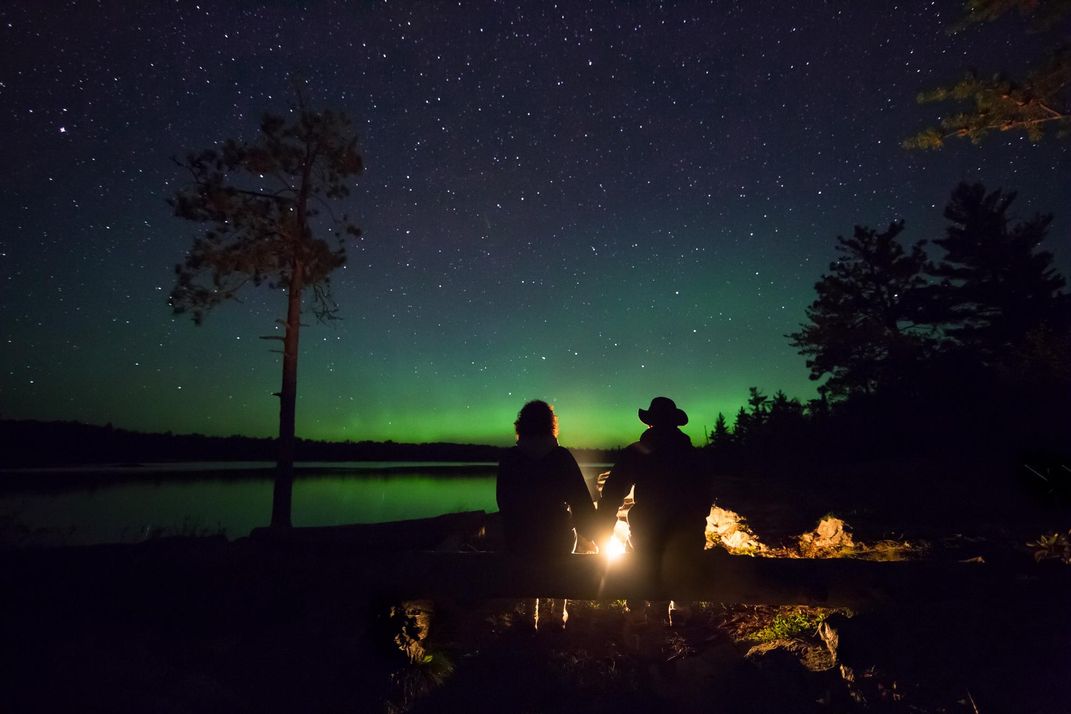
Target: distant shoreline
(59,444)
(45,479)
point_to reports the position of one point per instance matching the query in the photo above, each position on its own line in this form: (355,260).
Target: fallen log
(212,575)
(709,576)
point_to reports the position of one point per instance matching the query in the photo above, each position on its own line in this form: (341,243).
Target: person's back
(540,490)
(672,494)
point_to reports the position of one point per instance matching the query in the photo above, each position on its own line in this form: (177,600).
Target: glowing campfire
(616,545)
(724,528)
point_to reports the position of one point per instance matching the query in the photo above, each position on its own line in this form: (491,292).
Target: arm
(578,497)
(614,490)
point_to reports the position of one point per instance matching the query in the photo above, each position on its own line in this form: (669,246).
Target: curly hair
(536,418)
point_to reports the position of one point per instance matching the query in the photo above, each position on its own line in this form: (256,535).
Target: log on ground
(211,575)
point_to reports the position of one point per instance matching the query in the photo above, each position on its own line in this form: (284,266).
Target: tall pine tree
(868,324)
(997,286)
(1036,104)
(261,201)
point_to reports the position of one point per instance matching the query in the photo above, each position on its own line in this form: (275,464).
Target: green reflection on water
(129,510)
(331,501)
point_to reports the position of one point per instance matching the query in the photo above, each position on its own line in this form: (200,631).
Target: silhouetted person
(672,496)
(541,492)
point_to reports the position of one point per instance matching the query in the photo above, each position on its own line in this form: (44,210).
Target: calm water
(82,505)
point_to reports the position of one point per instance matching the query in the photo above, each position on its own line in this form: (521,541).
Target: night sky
(587,203)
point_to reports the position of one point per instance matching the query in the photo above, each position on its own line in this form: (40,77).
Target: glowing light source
(613,548)
(617,544)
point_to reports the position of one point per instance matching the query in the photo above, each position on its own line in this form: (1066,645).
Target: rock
(831,535)
(729,530)
(813,657)
(783,678)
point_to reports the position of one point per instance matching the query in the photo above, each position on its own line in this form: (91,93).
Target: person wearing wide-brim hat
(672,495)
(663,412)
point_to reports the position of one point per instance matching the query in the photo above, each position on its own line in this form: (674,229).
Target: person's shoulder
(560,453)
(635,450)
(677,439)
(509,456)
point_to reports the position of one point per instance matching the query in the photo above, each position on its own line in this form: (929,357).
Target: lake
(99,504)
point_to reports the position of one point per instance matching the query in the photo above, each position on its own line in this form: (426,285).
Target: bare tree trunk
(284,467)
(282,494)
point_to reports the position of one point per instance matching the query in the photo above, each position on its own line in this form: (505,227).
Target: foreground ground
(107,639)
(487,657)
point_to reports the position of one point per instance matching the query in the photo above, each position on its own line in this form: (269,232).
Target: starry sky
(589,203)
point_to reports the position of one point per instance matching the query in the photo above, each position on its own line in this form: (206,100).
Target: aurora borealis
(591,204)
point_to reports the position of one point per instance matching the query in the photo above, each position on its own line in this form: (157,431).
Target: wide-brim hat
(663,412)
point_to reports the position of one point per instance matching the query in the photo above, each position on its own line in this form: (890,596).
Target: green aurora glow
(619,202)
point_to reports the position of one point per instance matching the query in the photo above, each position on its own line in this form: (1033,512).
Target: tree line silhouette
(36,443)
(969,354)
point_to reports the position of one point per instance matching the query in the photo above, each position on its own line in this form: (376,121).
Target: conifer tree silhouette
(267,207)
(868,321)
(1036,104)
(720,435)
(997,286)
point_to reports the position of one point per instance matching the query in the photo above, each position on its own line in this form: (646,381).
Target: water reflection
(83,506)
